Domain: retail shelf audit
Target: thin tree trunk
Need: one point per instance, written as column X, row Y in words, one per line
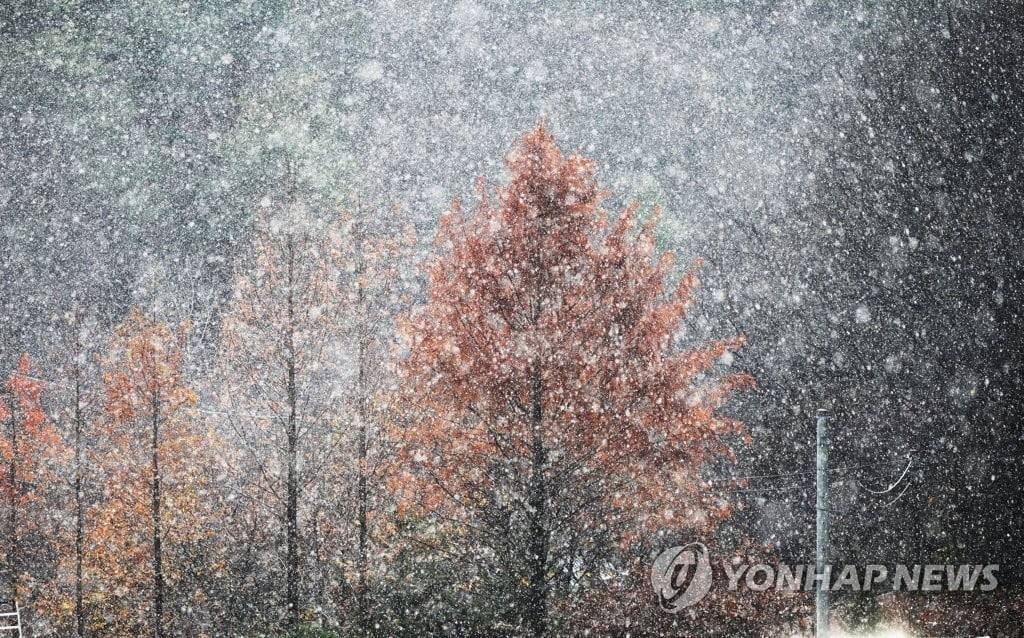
column 79, row 509
column 158, row 567
column 362, row 487
column 537, row 550
column 12, row 516
column 292, row 497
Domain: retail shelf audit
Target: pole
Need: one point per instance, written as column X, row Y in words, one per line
column 821, row 536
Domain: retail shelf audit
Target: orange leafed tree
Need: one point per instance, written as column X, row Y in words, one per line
column 30, row 454
column 151, row 461
column 556, row 408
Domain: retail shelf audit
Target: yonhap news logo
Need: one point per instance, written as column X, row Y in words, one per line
column 682, row 576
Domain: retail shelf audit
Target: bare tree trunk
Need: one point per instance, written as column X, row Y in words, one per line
column 362, row 487
column 79, row 509
column 537, row 549
column 363, row 505
column 158, row 567
column 292, row 496
column 12, row 515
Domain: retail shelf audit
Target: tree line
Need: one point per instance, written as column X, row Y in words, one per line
column 490, row 453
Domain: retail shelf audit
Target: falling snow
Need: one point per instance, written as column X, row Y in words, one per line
column 422, row 318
